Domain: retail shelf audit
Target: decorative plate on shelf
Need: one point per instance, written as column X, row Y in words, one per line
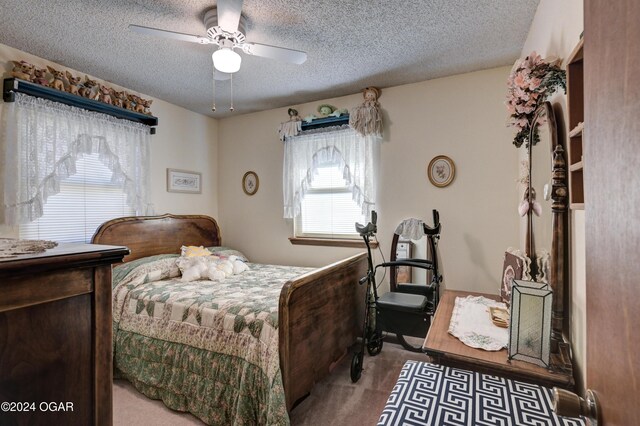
column 250, row 183
column 441, row 171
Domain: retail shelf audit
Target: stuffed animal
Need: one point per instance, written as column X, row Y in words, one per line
column 87, row 88
column 119, row 98
column 104, row 94
column 58, row 78
column 130, row 102
column 22, row 70
column 139, row 107
column 147, row 105
column 211, row 267
column 198, row 270
column 238, row 265
column 74, row 83
column 40, row 77
column 215, row 274
column 226, row 267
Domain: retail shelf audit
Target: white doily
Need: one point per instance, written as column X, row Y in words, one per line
column 471, row 323
column 11, row 247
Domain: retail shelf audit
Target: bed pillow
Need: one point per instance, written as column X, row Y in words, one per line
column 226, row 252
column 148, row 265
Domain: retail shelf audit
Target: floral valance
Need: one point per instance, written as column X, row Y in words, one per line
column 357, row 155
column 41, row 141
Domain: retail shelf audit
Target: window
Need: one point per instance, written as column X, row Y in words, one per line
column 327, row 209
column 86, row 200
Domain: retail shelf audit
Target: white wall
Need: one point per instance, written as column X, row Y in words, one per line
column 184, row 140
column 462, row 116
column 555, row 31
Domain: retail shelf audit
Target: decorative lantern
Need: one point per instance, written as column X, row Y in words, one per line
column 530, row 326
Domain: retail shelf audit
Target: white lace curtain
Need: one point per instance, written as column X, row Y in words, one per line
column 41, row 141
column 356, row 155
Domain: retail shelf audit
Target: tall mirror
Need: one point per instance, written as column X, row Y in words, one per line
column 546, row 234
column 410, row 249
column 539, row 215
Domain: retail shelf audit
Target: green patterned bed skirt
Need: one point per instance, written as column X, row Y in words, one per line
column 222, row 389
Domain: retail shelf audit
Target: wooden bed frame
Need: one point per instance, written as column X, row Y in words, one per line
column 320, row 313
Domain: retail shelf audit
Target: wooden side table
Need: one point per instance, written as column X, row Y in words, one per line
column 445, row 349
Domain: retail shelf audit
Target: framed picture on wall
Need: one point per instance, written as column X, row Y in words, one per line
column 184, row 181
column 441, row 171
column 250, row 183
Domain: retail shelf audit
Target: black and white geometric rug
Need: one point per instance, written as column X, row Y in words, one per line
column 435, row 395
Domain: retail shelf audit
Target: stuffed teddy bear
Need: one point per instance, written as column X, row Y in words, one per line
column 196, row 271
column 238, row 265
column 209, row 267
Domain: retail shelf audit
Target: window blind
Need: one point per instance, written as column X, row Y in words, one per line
column 327, row 209
column 86, row 200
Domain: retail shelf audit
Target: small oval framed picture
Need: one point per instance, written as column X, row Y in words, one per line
column 441, row 171
column 250, row 183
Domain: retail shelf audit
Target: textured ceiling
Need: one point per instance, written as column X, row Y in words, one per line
column 350, row 45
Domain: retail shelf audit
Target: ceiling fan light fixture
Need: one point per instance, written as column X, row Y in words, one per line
column 226, row 60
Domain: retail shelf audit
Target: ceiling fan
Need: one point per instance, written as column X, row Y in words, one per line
column 225, row 26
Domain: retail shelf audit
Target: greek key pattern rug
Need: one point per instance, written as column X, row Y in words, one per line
column 435, row 395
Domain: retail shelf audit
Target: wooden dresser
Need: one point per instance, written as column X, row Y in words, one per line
column 445, row 349
column 55, row 336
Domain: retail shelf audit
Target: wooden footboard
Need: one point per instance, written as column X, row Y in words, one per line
column 320, row 315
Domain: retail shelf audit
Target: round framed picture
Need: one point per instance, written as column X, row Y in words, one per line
column 250, row 183
column 441, row 171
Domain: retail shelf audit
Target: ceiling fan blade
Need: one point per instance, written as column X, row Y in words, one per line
column 169, row 34
column 274, row 52
column 229, row 14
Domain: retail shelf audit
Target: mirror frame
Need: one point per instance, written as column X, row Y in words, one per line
column 529, row 245
column 559, row 193
column 431, row 253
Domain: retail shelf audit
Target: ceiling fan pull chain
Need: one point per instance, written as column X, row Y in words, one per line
column 213, row 90
column 231, row 107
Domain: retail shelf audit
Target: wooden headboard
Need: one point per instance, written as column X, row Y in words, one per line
column 150, row 235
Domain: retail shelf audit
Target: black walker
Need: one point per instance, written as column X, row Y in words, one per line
column 407, row 309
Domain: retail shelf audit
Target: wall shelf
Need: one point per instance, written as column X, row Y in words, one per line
column 325, row 122
column 575, row 106
column 14, row 85
column 576, row 131
column 575, row 166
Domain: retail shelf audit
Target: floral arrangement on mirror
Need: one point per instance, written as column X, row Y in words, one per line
column 66, row 82
column 531, row 82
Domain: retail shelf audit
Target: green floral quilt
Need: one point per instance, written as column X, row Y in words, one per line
column 209, row 348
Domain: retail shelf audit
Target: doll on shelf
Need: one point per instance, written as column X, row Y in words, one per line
column 40, row 77
column 326, row 110
column 366, row 118
column 58, row 78
column 74, row 83
column 291, row 127
column 22, row 70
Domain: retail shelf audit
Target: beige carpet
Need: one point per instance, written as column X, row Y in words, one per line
column 334, row 401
